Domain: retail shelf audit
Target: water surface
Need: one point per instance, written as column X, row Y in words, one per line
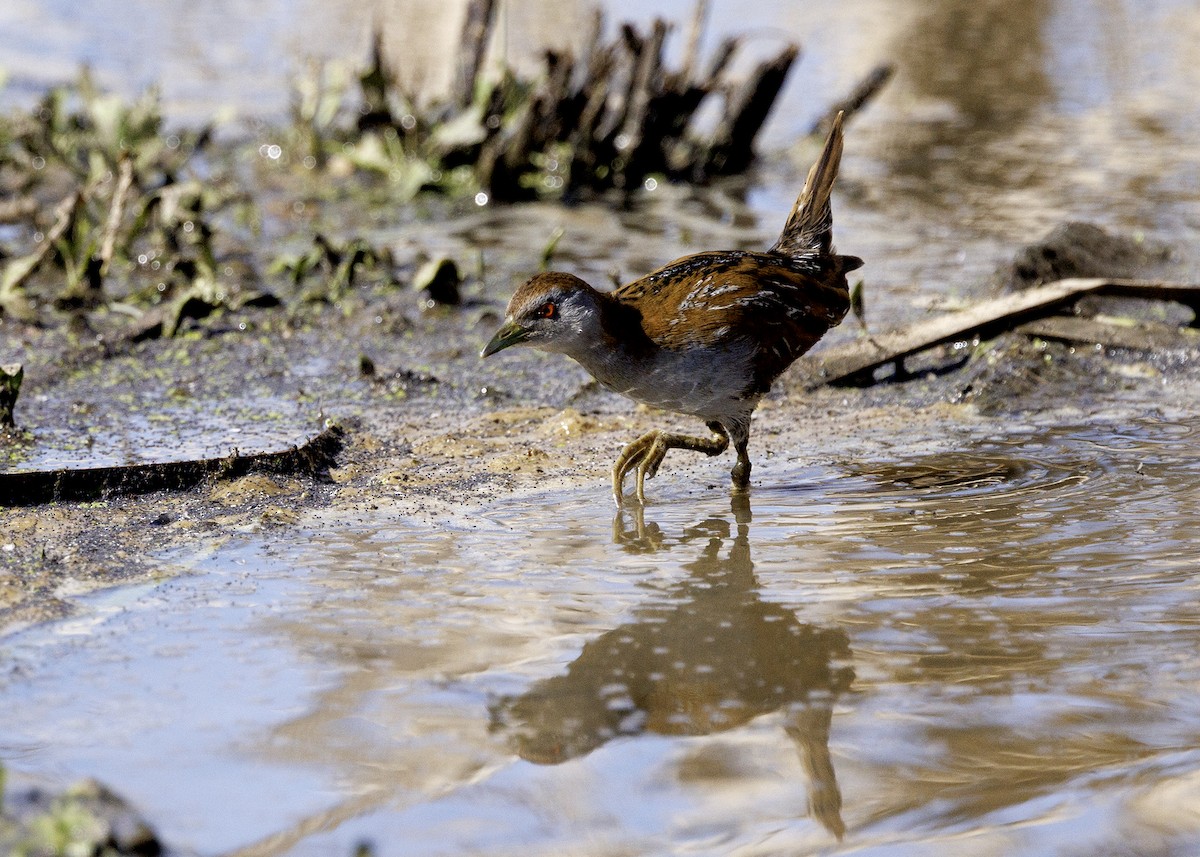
column 994, row 644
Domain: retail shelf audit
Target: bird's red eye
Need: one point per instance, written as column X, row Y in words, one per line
column 548, row 310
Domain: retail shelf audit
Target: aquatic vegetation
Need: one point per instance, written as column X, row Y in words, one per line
column 609, row 119
column 133, row 222
column 117, row 219
column 86, row 818
column 335, row 265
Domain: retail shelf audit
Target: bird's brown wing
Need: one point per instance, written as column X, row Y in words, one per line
column 782, row 305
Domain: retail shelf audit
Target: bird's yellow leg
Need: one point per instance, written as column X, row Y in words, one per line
column 741, row 470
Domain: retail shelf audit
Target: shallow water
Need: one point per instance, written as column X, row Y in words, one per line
column 980, row 643
column 991, row 647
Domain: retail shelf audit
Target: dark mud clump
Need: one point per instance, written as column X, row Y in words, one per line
column 1076, row 249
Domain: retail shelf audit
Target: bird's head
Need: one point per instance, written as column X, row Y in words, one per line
column 553, row 312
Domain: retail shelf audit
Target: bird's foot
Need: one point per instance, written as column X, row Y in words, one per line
column 643, row 455
column 646, row 454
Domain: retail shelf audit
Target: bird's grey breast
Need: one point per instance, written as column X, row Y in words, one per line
column 707, row 382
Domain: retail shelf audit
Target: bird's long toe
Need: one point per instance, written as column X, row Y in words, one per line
column 633, row 456
column 654, row 456
column 648, row 466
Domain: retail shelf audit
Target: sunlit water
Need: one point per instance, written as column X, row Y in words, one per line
column 993, row 647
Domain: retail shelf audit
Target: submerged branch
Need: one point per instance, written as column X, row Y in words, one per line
column 27, row 488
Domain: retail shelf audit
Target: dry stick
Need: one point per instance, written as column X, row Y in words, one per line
column 115, row 212
column 10, row 387
column 720, row 62
column 64, row 213
column 617, row 107
column 853, row 361
column 554, row 92
column 594, row 43
column 595, row 94
column 746, row 111
column 691, row 51
column 374, row 85
column 598, row 84
column 502, row 156
column 689, row 90
column 858, row 98
column 642, row 88
column 476, row 30
column 681, row 93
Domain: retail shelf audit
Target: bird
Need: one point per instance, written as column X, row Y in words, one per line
column 705, row 335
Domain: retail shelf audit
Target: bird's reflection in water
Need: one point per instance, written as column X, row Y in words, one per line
column 709, row 658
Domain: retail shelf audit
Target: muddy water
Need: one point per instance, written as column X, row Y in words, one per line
column 974, row 640
column 990, row 649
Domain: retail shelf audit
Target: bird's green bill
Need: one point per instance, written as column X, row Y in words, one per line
column 510, row 334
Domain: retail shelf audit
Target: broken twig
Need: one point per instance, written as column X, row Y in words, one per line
column 859, row 97
column 115, row 211
column 746, row 111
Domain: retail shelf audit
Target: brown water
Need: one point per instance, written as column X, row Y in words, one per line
column 978, row 638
